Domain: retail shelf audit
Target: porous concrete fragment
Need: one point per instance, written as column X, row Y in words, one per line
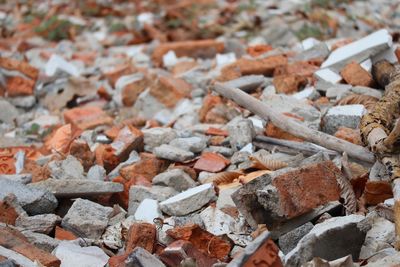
column 241, row 133
column 288, row 241
column 42, row 241
column 172, row 153
column 332, row 239
column 87, row 217
column 147, row 211
column 157, row 136
column 175, row 178
column 70, row 188
column 348, row 116
column 138, row 193
column 70, row 168
column 23, row 178
column 218, row 222
column 193, row 144
column 33, row 200
column 189, row 200
column 8, row 112
column 96, row 173
column 42, row 223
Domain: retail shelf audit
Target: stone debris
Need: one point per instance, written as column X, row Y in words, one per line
column 117, row 147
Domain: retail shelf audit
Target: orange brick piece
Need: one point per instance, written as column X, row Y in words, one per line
column 306, row 188
column 194, row 49
column 211, row 162
column 18, row 86
column 14, row 240
column 170, row 90
column 289, row 84
column 21, row 66
column 141, row 235
column 85, row 118
column 348, row 134
column 354, row 74
column 62, row 234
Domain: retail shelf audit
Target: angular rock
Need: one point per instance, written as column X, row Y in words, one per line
column 147, row 211
column 138, row 193
column 87, row 218
column 129, row 138
column 218, row 222
column 42, row 223
column 23, row 178
column 96, row 173
column 332, row 239
column 172, row 153
column 33, row 200
column 71, row 254
column 246, row 83
column 141, row 235
column 211, row 162
column 189, row 200
column 155, row 137
column 140, row 257
column 41, row 241
column 348, row 116
column 193, row 144
column 288, row 241
column 71, row 188
column 241, row 133
column 175, row 178
column 70, row 168
column 9, row 112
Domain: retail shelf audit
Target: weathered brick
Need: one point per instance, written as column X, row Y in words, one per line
column 170, row 90
column 88, row 117
column 348, row 134
column 354, row 74
column 211, row 162
column 18, row 86
column 21, row 66
column 149, row 166
column 289, row 83
column 141, row 235
column 131, row 91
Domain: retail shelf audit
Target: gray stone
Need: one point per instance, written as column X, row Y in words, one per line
column 337, row 91
column 225, row 151
column 87, row 218
column 138, row 193
column 157, row 136
column 319, row 50
column 392, row 259
column 172, row 153
column 71, row 188
column 194, row 144
column 241, row 133
column 23, row 101
column 362, row 90
column 8, row 112
column 288, row 241
column 239, row 157
column 347, row 116
column 380, row 236
column 23, row 178
column 330, row 240
column 96, row 173
column 140, row 257
column 219, row 223
column 42, row 223
column 7, row 263
column 70, row 168
column 33, row 200
column 189, row 200
column 41, row 241
column 246, row 83
column 133, row 157
column 175, row 178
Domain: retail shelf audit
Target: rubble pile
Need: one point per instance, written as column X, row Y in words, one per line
column 198, row 133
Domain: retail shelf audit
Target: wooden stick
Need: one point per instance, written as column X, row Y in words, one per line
column 393, row 136
column 267, row 113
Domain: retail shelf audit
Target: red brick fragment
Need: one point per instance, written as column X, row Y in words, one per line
column 257, row 50
column 131, row 91
column 180, row 250
column 216, row 132
column 148, row 166
column 266, row 255
column 376, row 192
column 306, row 188
column 129, row 138
column 8, row 214
column 273, row 131
column 14, row 240
column 141, row 235
column 21, row 66
column 348, row 134
column 194, row 49
column 18, row 86
column 289, row 84
column 170, row 90
column 62, row 234
column 207, row 243
column 87, row 117
column 211, row 162
column 113, row 75
column 354, row 74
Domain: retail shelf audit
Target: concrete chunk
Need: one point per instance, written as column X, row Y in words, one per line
column 172, row 153
column 175, row 178
column 189, row 200
column 78, row 188
column 87, row 218
column 348, row 116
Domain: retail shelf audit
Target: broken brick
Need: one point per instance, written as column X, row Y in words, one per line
column 257, row 50
column 289, row 84
column 21, row 66
column 376, row 192
column 170, row 90
column 354, row 74
column 131, row 91
column 113, row 75
column 273, row 131
column 12, row 239
column 211, row 162
column 208, row 103
column 18, row 86
column 141, row 235
column 348, row 134
column 194, row 49
column 60, row 139
column 129, row 138
column 62, row 234
column 180, row 250
column 149, row 166
column 207, row 243
column 88, row 117
column 81, row 150
column 8, row 214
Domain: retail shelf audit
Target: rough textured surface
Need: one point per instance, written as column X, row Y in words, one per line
column 33, row 200
column 175, row 178
column 87, row 218
column 288, row 241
